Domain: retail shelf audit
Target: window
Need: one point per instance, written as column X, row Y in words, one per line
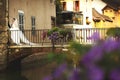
column 33, row 21
column 68, row 17
column 33, row 24
column 106, row 11
column 64, row 6
column 53, row 21
column 110, row 10
column 21, row 19
column 79, row 18
column 118, row 11
column 76, row 5
column 113, row 18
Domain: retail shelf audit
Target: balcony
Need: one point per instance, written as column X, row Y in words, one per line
column 41, row 39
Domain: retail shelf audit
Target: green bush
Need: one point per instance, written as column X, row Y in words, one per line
column 55, row 29
column 114, row 32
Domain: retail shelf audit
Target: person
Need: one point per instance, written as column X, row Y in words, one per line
column 17, row 35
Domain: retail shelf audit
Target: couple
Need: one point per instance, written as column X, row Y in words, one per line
column 16, row 34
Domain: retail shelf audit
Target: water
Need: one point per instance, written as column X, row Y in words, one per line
column 30, row 68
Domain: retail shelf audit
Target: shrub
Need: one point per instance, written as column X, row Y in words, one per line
column 97, row 62
column 114, row 32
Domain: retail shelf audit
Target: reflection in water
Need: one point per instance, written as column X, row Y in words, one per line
column 35, row 69
column 13, row 72
column 38, row 69
column 37, row 73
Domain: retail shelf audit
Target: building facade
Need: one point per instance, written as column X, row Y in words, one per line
column 90, row 10
column 82, row 6
column 114, row 13
column 33, row 14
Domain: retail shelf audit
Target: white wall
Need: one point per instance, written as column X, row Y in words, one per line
column 98, row 5
column 86, row 8
column 70, row 5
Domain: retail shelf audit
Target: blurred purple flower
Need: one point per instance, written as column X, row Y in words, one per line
column 75, row 75
column 54, row 36
column 110, row 45
column 48, row 78
column 115, row 74
column 95, row 54
column 95, row 73
column 95, row 36
column 58, row 72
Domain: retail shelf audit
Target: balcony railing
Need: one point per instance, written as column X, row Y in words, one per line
column 82, row 35
column 40, row 37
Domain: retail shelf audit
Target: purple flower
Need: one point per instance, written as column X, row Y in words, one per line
column 95, row 36
column 94, row 55
column 95, row 73
column 54, row 36
column 110, row 45
column 75, row 75
column 48, row 78
column 115, row 74
column 58, row 72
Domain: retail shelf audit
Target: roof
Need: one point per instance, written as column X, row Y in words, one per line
column 63, row 12
column 114, row 4
column 111, row 6
column 97, row 16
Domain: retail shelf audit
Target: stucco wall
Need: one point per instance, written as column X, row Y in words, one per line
column 41, row 9
column 114, row 15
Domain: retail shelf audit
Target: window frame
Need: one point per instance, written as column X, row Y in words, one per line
column 21, row 20
column 33, row 24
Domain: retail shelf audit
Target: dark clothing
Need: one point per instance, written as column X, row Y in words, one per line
column 9, row 25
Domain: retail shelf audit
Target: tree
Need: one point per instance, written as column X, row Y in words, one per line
column 58, row 6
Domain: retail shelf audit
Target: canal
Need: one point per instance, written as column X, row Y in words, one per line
column 33, row 67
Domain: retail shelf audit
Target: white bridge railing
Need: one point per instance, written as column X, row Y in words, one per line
column 82, row 35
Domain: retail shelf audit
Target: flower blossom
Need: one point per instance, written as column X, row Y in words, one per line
column 115, row 74
column 58, row 72
column 95, row 73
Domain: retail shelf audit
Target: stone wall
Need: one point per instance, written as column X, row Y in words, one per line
column 3, row 34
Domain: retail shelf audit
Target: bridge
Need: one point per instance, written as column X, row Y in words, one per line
column 42, row 43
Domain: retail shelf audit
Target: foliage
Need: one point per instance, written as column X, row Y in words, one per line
column 63, row 32
column 56, row 33
column 58, row 10
column 76, row 51
column 103, row 58
column 59, row 34
column 58, row 6
column 79, row 48
column 97, row 62
column 59, row 58
column 110, row 60
column 114, row 32
column 55, row 29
